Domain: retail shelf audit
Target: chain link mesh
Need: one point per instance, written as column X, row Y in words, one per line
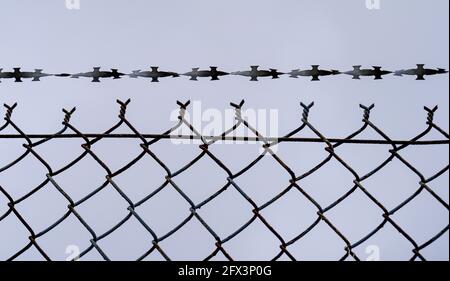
column 294, row 183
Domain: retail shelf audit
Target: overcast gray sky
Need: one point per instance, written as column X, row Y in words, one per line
column 179, row 35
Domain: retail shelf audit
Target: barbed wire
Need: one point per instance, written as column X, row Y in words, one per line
column 170, row 181
column 254, row 73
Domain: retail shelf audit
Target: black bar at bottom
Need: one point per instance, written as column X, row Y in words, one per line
column 225, row 270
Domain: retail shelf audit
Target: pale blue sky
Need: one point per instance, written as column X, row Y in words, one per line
column 179, row 35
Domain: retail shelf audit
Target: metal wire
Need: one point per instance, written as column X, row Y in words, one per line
column 170, row 181
column 253, row 73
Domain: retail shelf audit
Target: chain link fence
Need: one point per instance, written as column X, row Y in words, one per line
column 294, row 184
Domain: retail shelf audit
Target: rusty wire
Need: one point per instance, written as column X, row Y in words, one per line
column 170, row 181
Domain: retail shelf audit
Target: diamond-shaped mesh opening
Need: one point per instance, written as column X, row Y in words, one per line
column 39, row 216
column 291, row 214
column 191, row 242
column 66, row 240
column 222, row 219
column 391, row 193
column 160, row 216
column 422, row 213
column 82, row 178
column 325, row 191
column 103, row 210
column 263, row 180
column 197, row 184
column 321, row 243
column 20, row 179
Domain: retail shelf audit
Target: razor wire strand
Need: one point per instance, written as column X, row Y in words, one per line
column 254, row 73
column 294, row 181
